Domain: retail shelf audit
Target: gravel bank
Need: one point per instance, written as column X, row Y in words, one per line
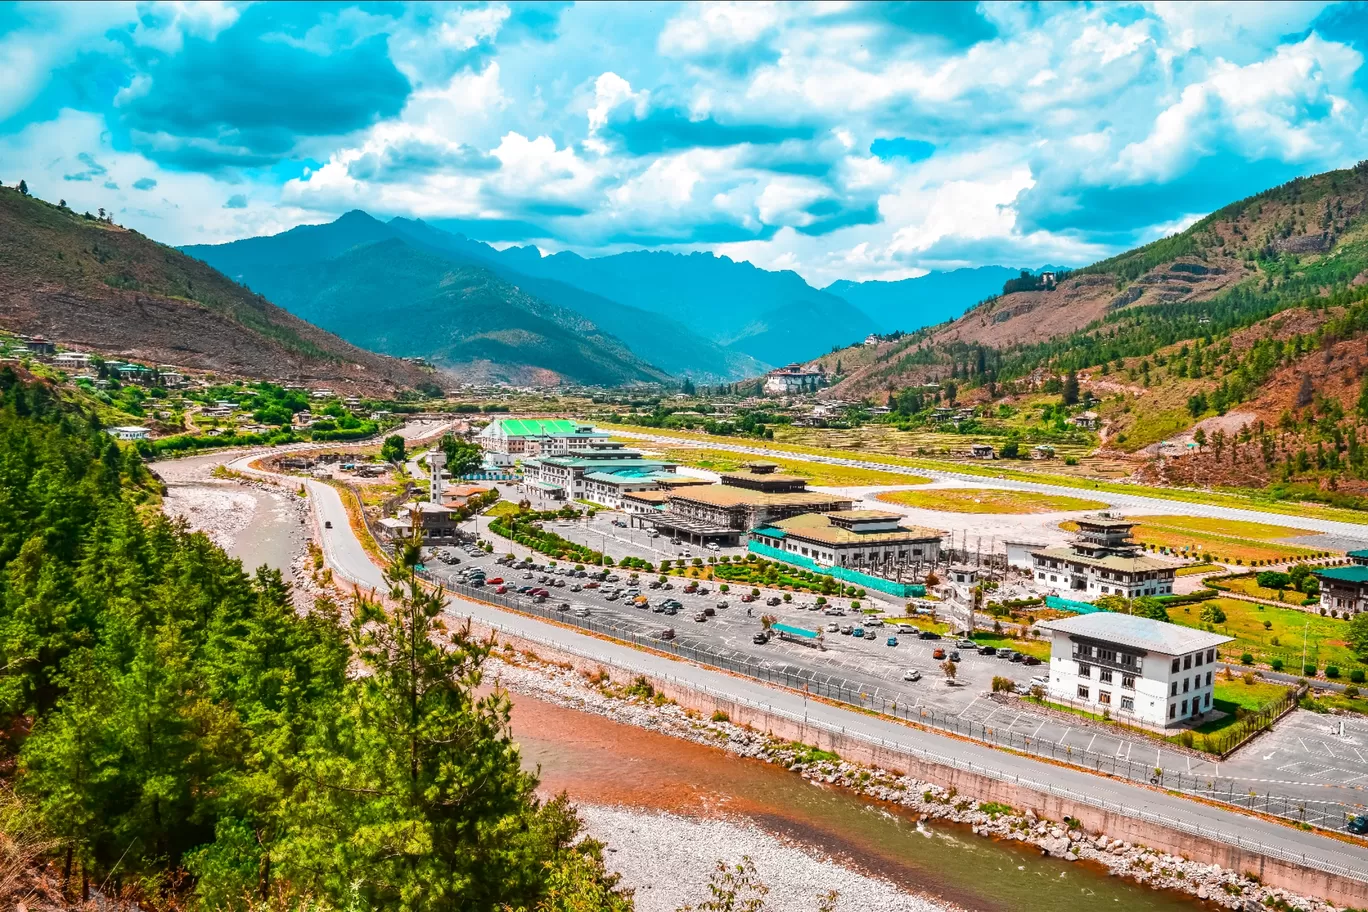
column 522, row 672
column 668, row 859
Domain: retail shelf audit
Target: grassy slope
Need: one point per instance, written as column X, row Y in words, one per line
column 113, row 289
column 988, row 500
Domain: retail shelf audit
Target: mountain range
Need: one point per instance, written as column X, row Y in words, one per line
column 515, row 314
column 94, row 285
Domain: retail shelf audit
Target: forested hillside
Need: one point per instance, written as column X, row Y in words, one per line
column 177, row 734
column 1239, row 345
column 82, row 280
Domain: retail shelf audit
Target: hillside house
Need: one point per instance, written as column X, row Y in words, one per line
column 1042, row 451
column 1088, row 421
column 793, row 379
column 129, row 432
column 38, row 345
column 1345, row 589
column 982, row 451
column 72, row 360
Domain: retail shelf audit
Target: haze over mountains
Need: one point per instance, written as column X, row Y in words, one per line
column 517, row 315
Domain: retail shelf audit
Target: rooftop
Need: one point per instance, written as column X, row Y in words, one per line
column 623, row 478
column 1354, row 574
column 727, row 496
column 545, row 427
column 1110, row 562
column 818, row 527
column 1137, row 632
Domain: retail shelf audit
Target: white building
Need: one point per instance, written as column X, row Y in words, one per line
column 793, row 379
column 872, row 540
column 72, row 360
column 1135, row 668
column 508, row 441
column 129, row 432
column 1102, row 561
column 599, row 475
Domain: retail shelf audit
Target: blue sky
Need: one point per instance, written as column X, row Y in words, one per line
column 842, row 140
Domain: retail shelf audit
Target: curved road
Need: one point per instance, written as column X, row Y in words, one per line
column 350, row 560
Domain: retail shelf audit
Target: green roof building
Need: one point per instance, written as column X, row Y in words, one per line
column 507, row 441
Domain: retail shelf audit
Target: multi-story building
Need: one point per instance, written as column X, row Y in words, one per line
column 793, row 379
column 1345, row 589
column 599, row 475
column 508, row 441
column 1136, row 668
column 1102, row 561
column 743, row 501
column 873, row 541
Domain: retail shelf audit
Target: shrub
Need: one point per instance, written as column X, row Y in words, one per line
column 1003, row 685
column 1332, row 671
column 1268, row 625
column 719, row 716
column 1276, row 664
column 854, row 606
column 1247, row 658
column 1357, row 676
column 1351, row 691
column 1309, row 670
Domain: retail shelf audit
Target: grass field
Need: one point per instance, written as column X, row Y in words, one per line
column 1325, row 644
column 1184, row 534
column 1038, row 648
column 988, row 500
column 1231, row 696
column 817, row 473
column 1198, row 570
column 1054, row 475
column 1252, row 588
column 503, row 508
column 1234, row 528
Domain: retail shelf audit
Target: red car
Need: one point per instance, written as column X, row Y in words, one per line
column 591, row 585
column 747, row 598
column 501, row 590
column 496, row 581
column 539, row 592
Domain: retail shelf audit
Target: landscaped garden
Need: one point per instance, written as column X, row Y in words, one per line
column 1274, row 636
column 989, row 500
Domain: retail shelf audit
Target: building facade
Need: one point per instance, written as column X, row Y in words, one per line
column 1345, row 589
column 725, row 512
column 793, row 379
column 598, row 475
column 1134, row 668
column 872, row 541
column 1102, row 561
column 507, row 441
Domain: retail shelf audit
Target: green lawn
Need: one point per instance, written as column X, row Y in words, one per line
column 1038, row 648
column 989, row 500
column 1251, row 587
column 817, row 473
column 1325, row 644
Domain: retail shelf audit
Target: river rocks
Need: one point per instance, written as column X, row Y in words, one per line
column 929, row 801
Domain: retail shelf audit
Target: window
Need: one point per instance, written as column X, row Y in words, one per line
column 1186, row 682
column 1104, row 696
column 1208, row 679
column 1207, row 700
column 1128, row 682
column 1084, row 671
column 1173, row 689
column 1105, row 676
column 1175, row 664
column 1172, row 709
column 1083, row 691
column 1128, row 704
column 1185, row 707
column 1199, row 660
column 1187, row 662
column 1211, row 656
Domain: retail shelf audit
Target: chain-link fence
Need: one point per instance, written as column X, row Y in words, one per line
column 1328, row 814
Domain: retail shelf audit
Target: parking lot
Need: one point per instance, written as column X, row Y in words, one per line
column 1302, row 758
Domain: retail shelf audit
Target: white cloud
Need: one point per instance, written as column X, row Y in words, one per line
column 465, row 28
column 711, row 27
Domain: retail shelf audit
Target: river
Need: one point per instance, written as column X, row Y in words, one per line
column 631, row 781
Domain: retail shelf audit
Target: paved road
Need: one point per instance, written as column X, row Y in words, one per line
column 350, row 560
column 1351, row 534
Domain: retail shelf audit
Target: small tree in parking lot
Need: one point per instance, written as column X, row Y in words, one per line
column 788, row 597
column 755, row 592
column 950, row 668
column 767, row 621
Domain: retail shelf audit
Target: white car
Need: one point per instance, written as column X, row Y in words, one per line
column 833, row 628
column 911, row 675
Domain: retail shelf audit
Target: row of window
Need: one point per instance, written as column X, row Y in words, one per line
column 1195, row 681
column 1104, row 676
column 1104, row 697
column 1193, row 659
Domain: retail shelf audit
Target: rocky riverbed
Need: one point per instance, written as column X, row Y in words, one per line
column 525, row 673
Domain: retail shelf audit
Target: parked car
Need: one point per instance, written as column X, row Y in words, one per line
column 760, row 638
column 1030, row 660
column 1017, row 657
column 747, row 597
column 911, row 675
column 987, row 650
column 892, row 641
column 722, row 603
column 938, row 654
column 858, row 633
column 563, row 606
column 1039, row 681
column 928, row 635
column 667, row 634
column 700, row 617
column 874, row 622
column 954, row 655
column 495, row 581
column 907, row 628
column 847, row 630
column 774, row 601
column 502, row 590
column 870, row 635
column 710, row 611
column 966, row 643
